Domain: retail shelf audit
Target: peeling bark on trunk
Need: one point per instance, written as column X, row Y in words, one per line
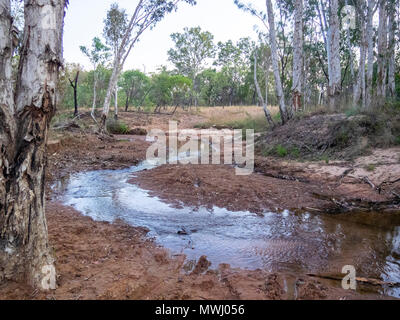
column 370, row 54
column 359, row 88
column 351, row 56
column 25, row 254
column 382, row 53
column 112, row 84
column 6, row 49
column 335, row 77
column 297, row 56
column 324, row 27
column 392, row 58
column 285, row 114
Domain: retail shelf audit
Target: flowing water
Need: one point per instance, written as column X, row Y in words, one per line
column 299, row 243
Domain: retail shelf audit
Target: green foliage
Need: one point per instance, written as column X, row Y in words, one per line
column 115, row 26
column 370, row 168
column 276, row 117
column 98, row 53
column 117, row 127
column 352, row 112
column 169, row 89
column 281, row 151
column 192, row 49
column 342, row 137
column 325, row 158
column 85, row 86
column 295, row 152
column 135, row 87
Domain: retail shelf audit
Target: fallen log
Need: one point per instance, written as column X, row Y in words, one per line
column 281, row 176
column 349, row 205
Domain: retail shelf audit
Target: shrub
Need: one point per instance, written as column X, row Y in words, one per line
column 370, row 168
column 352, row 112
column 117, row 127
column 281, row 151
column 295, row 152
column 325, row 158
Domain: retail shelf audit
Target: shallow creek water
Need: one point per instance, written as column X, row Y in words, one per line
column 284, row 242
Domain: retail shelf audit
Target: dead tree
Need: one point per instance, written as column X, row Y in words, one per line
column 74, row 85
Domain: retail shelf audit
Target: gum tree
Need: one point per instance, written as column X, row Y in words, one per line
column 25, row 113
column 146, row 15
column 268, row 20
column 192, row 49
column 335, row 76
column 135, row 84
column 297, row 56
column 98, row 54
column 382, row 51
column 264, row 102
column 114, row 29
column 285, row 113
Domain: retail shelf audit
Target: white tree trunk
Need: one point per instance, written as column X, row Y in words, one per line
column 6, row 88
column 370, row 54
column 260, row 97
column 116, row 103
column 111, row 86
column 267, row 83
column 392, row 28
column 285, row 115
column 324, row 27
column 297, row 56
column 351, row 56
column 382, row 53
column 359, row 88
column 335, row 77
column 24, row 250
column 94, row 94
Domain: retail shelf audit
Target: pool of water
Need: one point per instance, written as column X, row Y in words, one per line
column 301, row 243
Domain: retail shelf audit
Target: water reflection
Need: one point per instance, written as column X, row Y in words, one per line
column 308, row 243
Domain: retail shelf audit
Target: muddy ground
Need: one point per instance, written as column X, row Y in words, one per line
column 98, row 260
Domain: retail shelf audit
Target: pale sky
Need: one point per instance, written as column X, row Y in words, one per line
column 84, row 21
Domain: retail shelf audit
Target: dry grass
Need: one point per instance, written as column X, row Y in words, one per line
column 221, row 115
column 236, row 117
